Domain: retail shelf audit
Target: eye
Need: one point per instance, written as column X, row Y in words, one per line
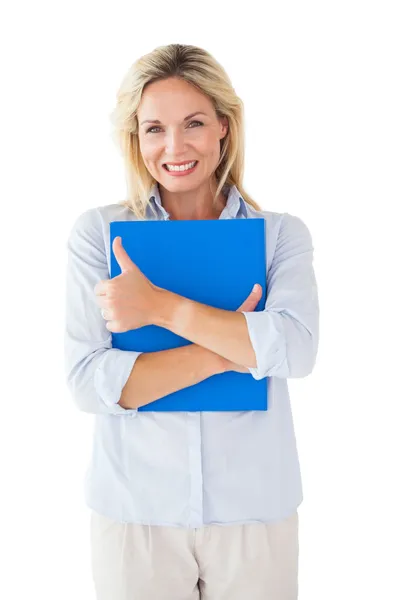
column 150, row 130
column 155, row 127
column 199, row 122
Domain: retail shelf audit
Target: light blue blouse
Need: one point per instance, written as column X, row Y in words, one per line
column 187, row 469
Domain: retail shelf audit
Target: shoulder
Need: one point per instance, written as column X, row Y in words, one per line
column 280, row 223
column 95, row 221
column 285, row 233
column 96, row 217
column 90, row 232
column 294, row 230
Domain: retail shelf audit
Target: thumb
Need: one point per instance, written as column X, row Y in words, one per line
column 121, row 255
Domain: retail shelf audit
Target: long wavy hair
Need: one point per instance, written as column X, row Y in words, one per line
column 199, row 68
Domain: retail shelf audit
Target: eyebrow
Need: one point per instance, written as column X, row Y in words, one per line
column 185, row 119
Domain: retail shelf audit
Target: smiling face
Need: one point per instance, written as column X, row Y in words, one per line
column 179, row 136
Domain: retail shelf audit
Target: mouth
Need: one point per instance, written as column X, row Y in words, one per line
column 179, row 171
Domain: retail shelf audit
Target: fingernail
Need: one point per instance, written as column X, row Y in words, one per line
column 255, row 288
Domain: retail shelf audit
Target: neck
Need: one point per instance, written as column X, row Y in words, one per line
column 192, row 204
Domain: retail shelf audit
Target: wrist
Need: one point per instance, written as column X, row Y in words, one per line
column 222, row 364
column 213, row 363
column 168, row 308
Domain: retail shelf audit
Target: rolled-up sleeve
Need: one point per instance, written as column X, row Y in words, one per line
column 95, row 371
column 285, row 334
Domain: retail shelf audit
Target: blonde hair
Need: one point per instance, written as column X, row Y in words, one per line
column 199, row 68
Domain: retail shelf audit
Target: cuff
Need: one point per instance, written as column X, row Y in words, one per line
column 268, row 340
column 111, row 376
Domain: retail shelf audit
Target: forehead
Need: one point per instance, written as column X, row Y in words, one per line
column 173, row 98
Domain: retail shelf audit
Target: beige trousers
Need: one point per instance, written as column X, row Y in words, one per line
column 236, row 562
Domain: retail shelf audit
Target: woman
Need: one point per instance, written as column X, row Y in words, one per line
column 188, row 505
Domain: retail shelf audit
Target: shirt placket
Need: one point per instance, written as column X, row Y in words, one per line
column 195, row 515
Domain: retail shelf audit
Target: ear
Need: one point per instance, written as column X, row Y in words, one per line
column 224, row 126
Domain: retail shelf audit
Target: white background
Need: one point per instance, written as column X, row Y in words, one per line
column 320, row 85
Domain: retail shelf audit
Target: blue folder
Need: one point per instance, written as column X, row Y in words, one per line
column 215, row 262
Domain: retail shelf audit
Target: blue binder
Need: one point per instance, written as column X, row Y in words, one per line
column 215, row 262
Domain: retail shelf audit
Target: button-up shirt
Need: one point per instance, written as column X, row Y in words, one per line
column 190, row 469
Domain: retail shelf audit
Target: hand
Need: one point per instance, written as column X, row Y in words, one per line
column 248, row 305
column 129, row 300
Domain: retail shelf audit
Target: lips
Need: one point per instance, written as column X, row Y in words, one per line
column 180, row 164
column 181, row 172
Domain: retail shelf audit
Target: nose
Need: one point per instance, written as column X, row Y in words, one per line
column 175, row 143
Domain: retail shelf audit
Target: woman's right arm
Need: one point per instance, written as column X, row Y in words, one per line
column 103, row 379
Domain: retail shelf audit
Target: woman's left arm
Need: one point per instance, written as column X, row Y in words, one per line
column 282, row 340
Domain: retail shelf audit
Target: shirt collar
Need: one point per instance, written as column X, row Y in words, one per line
column 235, row 205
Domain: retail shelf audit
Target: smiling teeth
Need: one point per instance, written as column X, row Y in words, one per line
column 181, row 167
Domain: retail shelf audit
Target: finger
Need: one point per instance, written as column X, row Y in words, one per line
column 253, row 299
column 248, row 305
column 121, row 255
column 102, row 301
column 100, row 289
column 105, row 315
column 115, row 327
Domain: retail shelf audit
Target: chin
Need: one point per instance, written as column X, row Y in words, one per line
column 179, row 182
column 175, row 186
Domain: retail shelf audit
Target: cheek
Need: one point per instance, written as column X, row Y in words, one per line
column 209, row 145
column 148, row 151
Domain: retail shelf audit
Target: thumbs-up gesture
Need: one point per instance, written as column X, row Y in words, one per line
column 129, row 300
